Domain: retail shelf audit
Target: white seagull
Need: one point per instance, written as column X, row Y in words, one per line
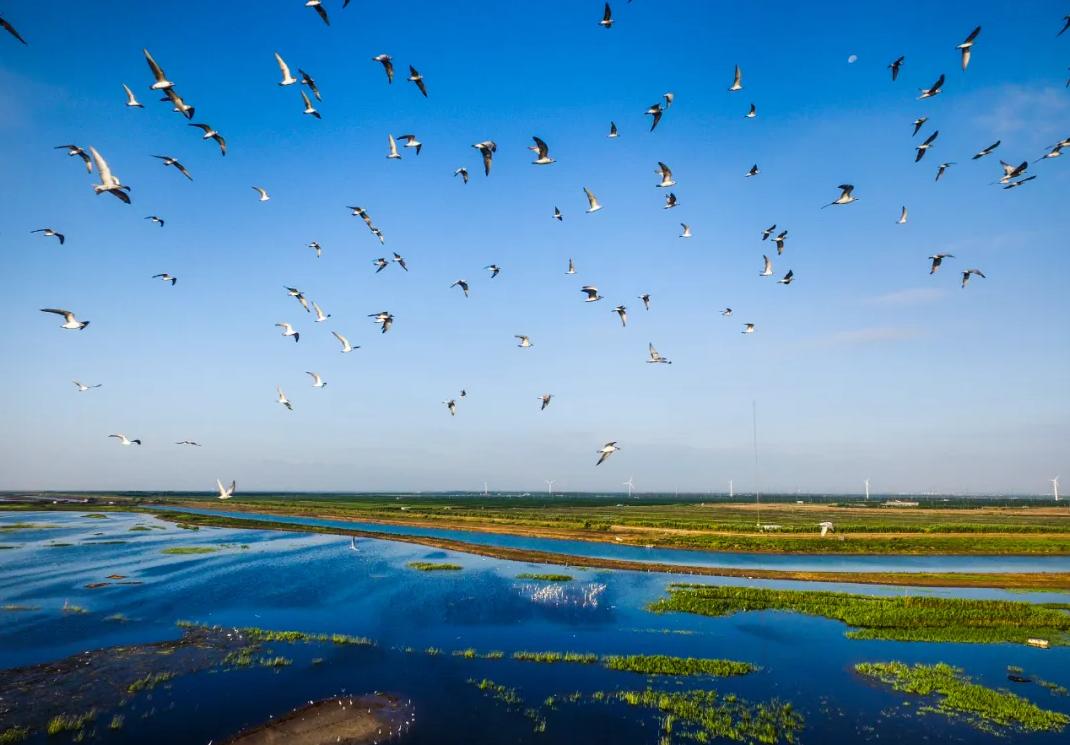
column 73, row 150
column 393, row 154
column 169, row 161
column 130, row 100
column 902, row 216
column 846, row 196
column 108, row 181
column 737, row 82
column 621, row 311
column 666, row 175
column 525, row 342
column 287, row 78
column 226, row 492
column 542, row 150
column 211, row 134
column 156, row 219
column 262, row 192
column 788, row 278
column 162, row 83
column 309, row 108
column 317, row 380
column 411, row 141
column 283, row 400
column 69, row 321
column 50, row 233
column 592, row 201
column 320, row 315
column 346, row 346
column 655, row 356
column 388, row 65
column 288, row 330
column 687, row 230
column 967, row 47
column 767, row 270
column 545, row 398
column 607, row 450
column 166, row 278
column 937, row 260
column 966, row 276
column 748, row 328
column 124, row 440
column 82, row 387
column 592, row 293
column 936, row 89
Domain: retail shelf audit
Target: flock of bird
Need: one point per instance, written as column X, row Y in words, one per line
column 1011, row 176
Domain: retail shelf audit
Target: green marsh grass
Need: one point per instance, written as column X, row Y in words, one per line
column 430, row 566
column 958, row 697
column 546, row 577
column 665, row 665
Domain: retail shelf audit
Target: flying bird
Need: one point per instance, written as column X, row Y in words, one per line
column 288, row 330
column 557, row 214
column 300, row 297
column 966, row 276
column 607, row 450
column 463, row 173
column 73, row 150
column 400, row 261
column 607, row 18
column 1011, row 172
column 655, row 357
column 381, row 263
column 726, row 312
column 612, row 130
column 287, row 77
column 592, row 201
column 156, row 219
column 923, row 147
column 11, row 29
column 621, row 311
column 967, row 47
column 262, row 192
column 669, row 98
column 902, row 216
column 307, row 80
column 393, row 154
column 541, row 149
column 463, row 284
column 109, row 182
column 987, row 150
column 309, row 108
column 82, row 387
column 753, row 112
column 788, row 278
column 210, row 133
column 655, row 111
column 50, row 233
column 384, row 319
column 1066, row 25
column 545, row 398
column 487, row 149
column 934, row 90
column 894, row 67
column 737, row 82
column 571, row 266
column 592, row 293
column 388, row 65
column 169, row 161
column 320, row 315
column 645, row 298
column 666, row 175
column 768, row 231
column 943, row 167
column 779, row 240
column 937, row 260
column 494, row 270
column 124, row 440
column 415, row 77
column 1019, row 182
column 754, row 171
column 919, row 123
column 162, row 83
column 346, row 346
column 189, row 443
column 670, row 201
column 226, row 492
column 748, row 328
column 283, row 400
column 767, row 269
column 687, row 230
column 317, row 248
column 411, row 141
column 69, row 321
column 525, row 342
column 317, row 5
column 130, row 100
column 317, row 380
column 452, row 406
column 846, row 196
column 179, row 103
column 166, row 278
column 826, row 528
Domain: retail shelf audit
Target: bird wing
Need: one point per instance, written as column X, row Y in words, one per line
column 283, row 66
column 591, row 199
column 543, row 148
column 106, row 177
column 157, row 71
column 59, row 312
column 11, row 30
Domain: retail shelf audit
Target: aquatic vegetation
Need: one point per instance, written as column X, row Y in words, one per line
column 664, row 665
column 117, row 618
column 240, row 657
column 1054, row 688
column 117, row 722
column 958, row 697
column 149, row 682
column 184, row 550
column 95, row 515
column 706, row 715
column 137, row 528
column 471, row 654
column 510, row 698
column 26, row 526
column 582, row 658
column 430, row 566
column 16, row 608
column 546, row 577
column 433, row 651
column 885, row 617
column 13, row 735
column 59, row 545
column 274, row 661
column 70, row 722
column 73, row 609
column 256, row 635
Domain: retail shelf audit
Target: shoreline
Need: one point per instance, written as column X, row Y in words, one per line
column 1049, row 581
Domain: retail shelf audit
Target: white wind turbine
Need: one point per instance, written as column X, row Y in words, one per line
column 630, row 483
column 867, row 490
column 1055, row 488
column 549, row 487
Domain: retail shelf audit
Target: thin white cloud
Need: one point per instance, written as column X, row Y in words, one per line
column 871, row 335
column 910, row 296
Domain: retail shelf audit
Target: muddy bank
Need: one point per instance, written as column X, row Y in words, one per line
column 344, row 720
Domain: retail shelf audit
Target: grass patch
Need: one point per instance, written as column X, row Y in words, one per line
column 185, row 550
column 431, row 566
column 26, row 526
column 256, row 635
column 117, row 618
column 546, row 577
column 96, row 515
column 893, row 617
column 582, row 658
column 664, row 665
column 70, row 722
column 149, row 682
column 12, row 735
column 957, row 697
column 139, row 528
column 117, row 722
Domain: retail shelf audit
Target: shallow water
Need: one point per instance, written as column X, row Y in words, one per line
column 590, row 549
column 317, row 583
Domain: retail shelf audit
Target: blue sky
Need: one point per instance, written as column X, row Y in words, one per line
column 866, row 366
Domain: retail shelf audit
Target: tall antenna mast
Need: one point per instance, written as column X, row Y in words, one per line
column 757, row 488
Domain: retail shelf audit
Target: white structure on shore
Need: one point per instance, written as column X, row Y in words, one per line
column 1055, row 488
